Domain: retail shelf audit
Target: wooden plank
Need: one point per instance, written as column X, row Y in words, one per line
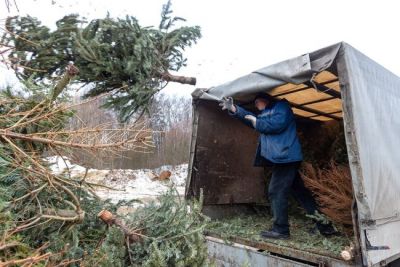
column 303, row 88
column 324, row 89
column 320, row 113
column 317, row 101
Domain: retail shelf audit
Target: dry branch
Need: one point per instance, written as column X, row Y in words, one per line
column 9, row 245
column 44, row 200
column 48, row 141
column 64, row 215
column 27, row 128
column 29, row 260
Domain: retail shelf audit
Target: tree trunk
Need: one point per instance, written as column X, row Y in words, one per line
column 110, row 219
column 178, row 79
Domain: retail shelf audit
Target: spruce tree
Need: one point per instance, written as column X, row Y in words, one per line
column 115, row 56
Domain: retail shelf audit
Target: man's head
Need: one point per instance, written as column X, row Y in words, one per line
column 262, row 100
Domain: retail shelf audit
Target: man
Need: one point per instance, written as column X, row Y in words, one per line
column 278, row 147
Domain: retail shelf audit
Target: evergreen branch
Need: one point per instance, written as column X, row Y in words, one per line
column 113, row 54
column 17, row 36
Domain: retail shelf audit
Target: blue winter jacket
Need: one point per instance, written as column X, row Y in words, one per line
column 278, row 141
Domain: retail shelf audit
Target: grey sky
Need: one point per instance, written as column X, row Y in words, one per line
column 241, row 36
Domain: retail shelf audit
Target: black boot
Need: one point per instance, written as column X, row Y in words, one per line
column 274, row 235
column 326, row 229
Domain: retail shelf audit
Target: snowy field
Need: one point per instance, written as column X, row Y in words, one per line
column 126, row 184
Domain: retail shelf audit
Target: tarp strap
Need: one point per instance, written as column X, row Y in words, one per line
column 322, row 88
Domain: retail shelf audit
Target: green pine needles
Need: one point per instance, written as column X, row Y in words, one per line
column 170, row 231
column 115, row 56
column 173, row 233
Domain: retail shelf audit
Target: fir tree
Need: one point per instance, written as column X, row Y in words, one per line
column 116, row 56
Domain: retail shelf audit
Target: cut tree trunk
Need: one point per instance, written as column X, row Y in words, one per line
column 110, row 219
column 178, row 79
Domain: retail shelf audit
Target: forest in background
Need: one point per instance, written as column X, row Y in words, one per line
column 170, row 119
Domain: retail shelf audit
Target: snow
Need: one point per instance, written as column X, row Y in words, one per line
column 126, row 184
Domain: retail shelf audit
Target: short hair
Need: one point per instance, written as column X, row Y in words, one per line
column 264, row 96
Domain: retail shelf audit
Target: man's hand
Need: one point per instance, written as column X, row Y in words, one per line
column 227, row 103
column 252, row 119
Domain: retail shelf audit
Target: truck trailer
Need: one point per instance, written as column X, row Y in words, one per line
column 333, row 85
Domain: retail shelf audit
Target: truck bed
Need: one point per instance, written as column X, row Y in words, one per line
column 303, row 245
column 250, row 253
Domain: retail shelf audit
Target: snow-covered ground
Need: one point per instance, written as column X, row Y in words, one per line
column 126, row 184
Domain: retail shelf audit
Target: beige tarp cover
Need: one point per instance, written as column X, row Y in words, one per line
column 368, row 100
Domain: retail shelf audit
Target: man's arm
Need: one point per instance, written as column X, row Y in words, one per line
column 226, row 103
column 241, row 113
column 278, row 122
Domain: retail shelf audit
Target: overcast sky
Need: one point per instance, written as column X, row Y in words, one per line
column 242, row 36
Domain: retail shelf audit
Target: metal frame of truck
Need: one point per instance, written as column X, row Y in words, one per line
column 369, row 101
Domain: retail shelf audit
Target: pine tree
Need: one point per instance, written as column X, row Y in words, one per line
column 116, row 56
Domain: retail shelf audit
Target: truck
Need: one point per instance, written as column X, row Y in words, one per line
column 333, row 85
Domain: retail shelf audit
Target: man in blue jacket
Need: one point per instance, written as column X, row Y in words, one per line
column 278, row 147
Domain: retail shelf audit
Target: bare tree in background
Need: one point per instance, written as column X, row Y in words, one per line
column 170, row 120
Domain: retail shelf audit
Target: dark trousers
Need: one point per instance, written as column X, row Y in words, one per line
column 286, row 180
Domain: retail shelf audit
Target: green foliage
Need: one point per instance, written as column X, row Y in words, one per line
column 20, row 249
column 116, row 55
column 27, row 189
column 172, row 228
column 301, row 236
column 319, row 217
column 173, row 231
column 112, row 251
column 16, row 171
column 82, row 240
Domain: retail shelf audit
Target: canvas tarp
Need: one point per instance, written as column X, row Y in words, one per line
column 295, row 71
column 371, row 101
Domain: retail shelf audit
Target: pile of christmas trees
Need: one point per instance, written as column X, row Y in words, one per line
column 326, row 173
column 52, row 219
